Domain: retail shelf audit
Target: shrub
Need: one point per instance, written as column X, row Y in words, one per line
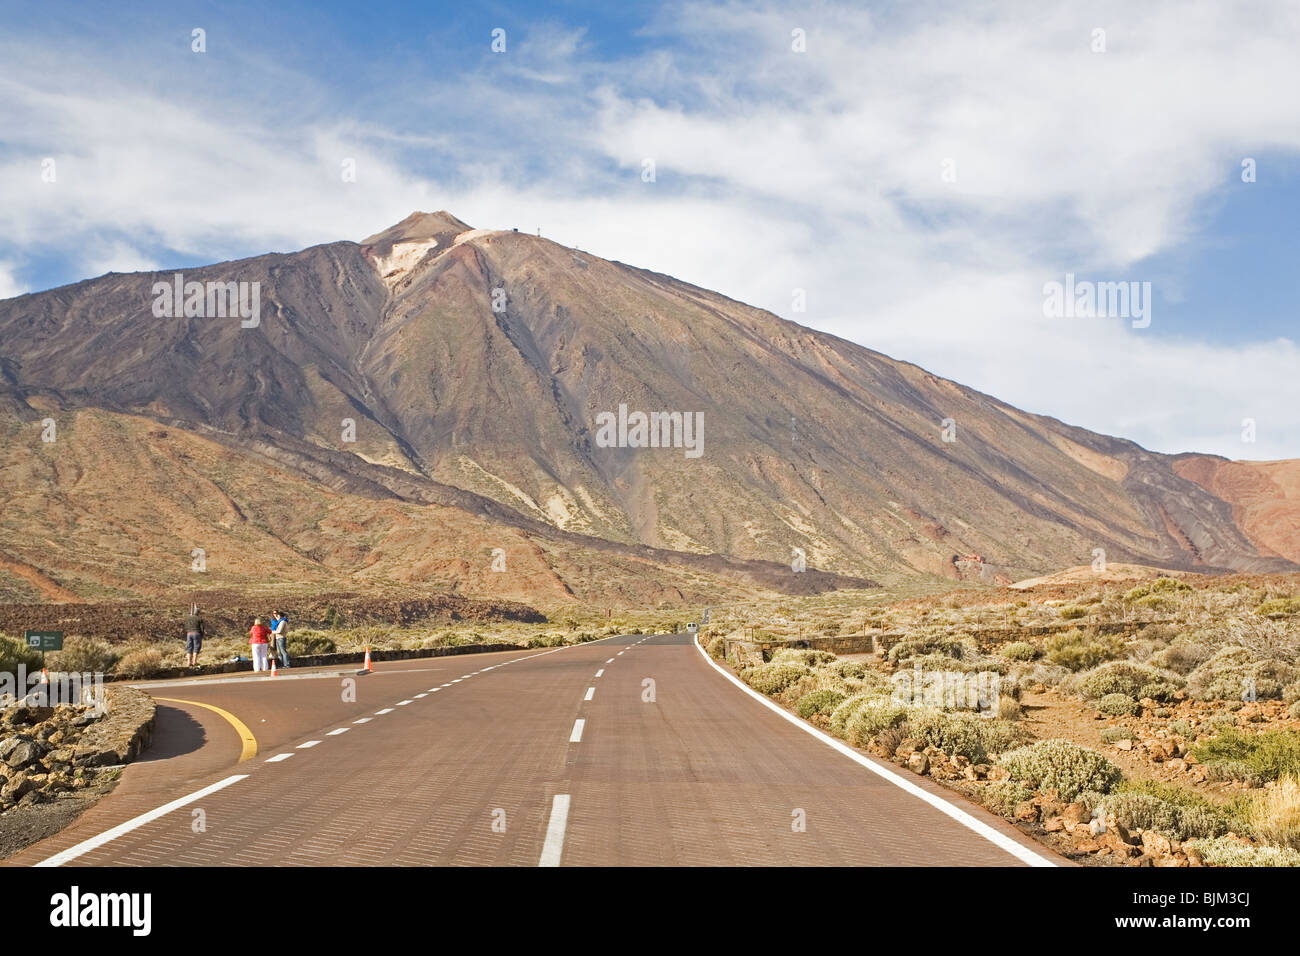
column 1063, row 766
column 14, row 652
column 1233, row 671
column 842, row 714
column 1275, row 814
column 1072, row 612
column 932, row 644
column 1020, row 651
column 306, row 642
column 1279, row 608
column 819, row 702
column 1178, row 813
column 1078, row 650
column 1003, row 796
column 871, row 719
column 1009, row 708
column 1268, row 755
column 1156, row 588
column 84, row 655
column 847, row 669
column 968, row 735
column 772, row 678
column 1184, row 656
column 1225, row 851
column 1118, row 705
column 1112, row 735
column 790, row 655
column 717, row 647
column 1128, row 678
column 1295, row 710
column 141, row 663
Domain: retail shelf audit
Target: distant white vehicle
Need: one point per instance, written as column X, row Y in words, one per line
column 692, row 628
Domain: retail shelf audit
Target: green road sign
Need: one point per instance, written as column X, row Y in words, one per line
column 44, row 640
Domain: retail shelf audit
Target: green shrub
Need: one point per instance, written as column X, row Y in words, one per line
column 1225, row 851
column 1268, row 755
column 1279, row 608
column 1118, row 705
column 842, row 714
column 772, row 678
column 1003, row 796
column 14, row 652
column 872, row 718
column 1159, row 586
column 1072, row 612
column 1079, row 650
column 1020, row 651
column 932, row 644
column 1178, row 813
column 140, row 663
column 1112, row 735
column 818, row 702
column 1233, row 670
column 964, row 734
column 1128, row 678
column 847, row 669
column 1063, row 766
column 83, row 655
column 790, row 655
column 305, row 643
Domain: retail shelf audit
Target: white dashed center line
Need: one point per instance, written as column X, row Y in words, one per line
column 341, row 730
column 576, row 736
column 310, row 743
column 386, row 710
column 553, row 848
column 278, row 757
column 599, row 672
column 591, row 692
column 362, row 720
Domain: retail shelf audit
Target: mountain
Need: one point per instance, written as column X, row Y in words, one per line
column 488, row 376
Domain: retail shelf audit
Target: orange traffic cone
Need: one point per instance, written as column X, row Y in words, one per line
column 45, row 676
column 272, row 665
column 366, row 666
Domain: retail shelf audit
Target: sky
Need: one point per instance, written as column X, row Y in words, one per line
column 911, row 176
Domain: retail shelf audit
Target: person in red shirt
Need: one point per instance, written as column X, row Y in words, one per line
column 258, row 635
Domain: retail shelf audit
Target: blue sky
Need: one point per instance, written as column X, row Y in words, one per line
column 776, row 169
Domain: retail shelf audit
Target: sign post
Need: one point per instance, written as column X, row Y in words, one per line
column 44, row 641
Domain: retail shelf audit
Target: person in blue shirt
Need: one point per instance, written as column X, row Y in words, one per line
column 280, row 632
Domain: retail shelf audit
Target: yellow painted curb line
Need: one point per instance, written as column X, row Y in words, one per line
column 245, row 735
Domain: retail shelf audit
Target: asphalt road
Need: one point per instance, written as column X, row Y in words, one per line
column 628, row 751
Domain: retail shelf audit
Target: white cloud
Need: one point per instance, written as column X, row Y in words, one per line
column 776, row 170
column 9, row 286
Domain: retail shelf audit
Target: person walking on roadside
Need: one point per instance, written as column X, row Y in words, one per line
column 193, row 636
column 280, row 630
column 257, row 641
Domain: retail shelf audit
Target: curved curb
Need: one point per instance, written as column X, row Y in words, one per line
column 998, row 839
column 248, row 743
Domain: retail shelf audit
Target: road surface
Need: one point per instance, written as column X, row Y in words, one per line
column 633, row 750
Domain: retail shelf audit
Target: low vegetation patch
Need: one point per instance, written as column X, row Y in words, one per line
column 1235, row 754
column 1062, row 766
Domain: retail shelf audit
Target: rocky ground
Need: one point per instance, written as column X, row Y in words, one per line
column 57, row 761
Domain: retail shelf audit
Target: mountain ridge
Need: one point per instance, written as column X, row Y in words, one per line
column 479, row 361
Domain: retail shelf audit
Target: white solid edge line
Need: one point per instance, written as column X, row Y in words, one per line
column 95, row 842
column 554, row 845
column 576, row 736
column 1000, row 840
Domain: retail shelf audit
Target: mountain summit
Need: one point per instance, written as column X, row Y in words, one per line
column 476, row 368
